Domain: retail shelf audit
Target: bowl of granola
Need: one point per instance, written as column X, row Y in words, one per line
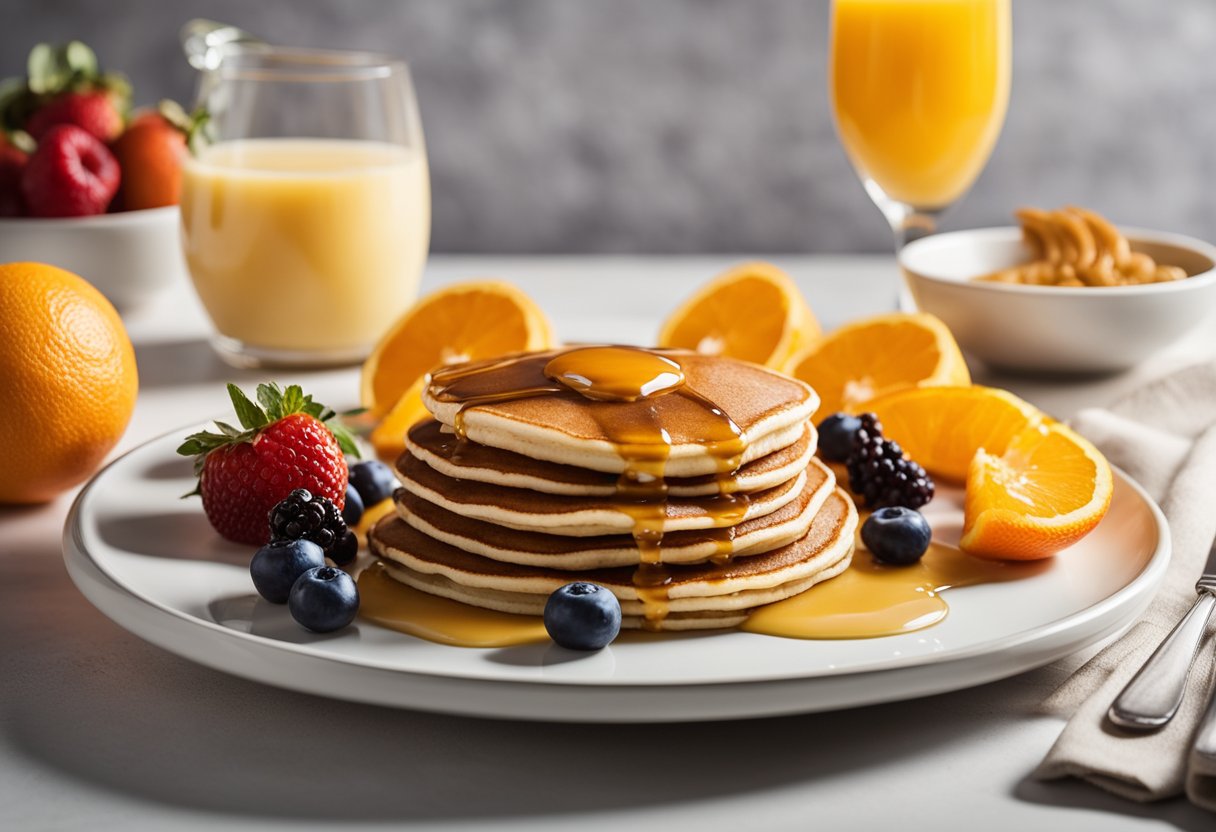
column 1064, row 299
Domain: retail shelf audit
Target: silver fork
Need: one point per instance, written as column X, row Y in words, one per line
column 1152, row 697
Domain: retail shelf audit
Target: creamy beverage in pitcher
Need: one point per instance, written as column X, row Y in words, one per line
column 306, row 244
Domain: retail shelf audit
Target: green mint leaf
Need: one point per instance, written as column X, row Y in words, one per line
column 316, row 410
column 249, row 414
column 354, row 411
column 271, row 398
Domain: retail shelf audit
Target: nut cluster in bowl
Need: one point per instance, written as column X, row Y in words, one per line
column 1077, row 247
column 1059, row 328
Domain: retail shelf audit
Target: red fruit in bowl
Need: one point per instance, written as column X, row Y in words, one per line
column 287, row 442
column 94, row 112
column 150, row 155
column 71, row 174
column 12, row 165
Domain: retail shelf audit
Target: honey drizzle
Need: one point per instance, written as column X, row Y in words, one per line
column 618, row 375
column 869, row 600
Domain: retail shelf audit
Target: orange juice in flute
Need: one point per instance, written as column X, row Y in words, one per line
column 919, row 89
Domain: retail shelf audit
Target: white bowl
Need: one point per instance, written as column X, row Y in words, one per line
column 127, row 256
column 1056, row 328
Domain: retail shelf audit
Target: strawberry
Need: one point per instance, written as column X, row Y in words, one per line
column 150, row 154
column 64, row 85
column 288, row 442
column 12, row 165
column 94, row 111
column 71, row 174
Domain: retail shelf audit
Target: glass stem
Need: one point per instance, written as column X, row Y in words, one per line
column 910, row 224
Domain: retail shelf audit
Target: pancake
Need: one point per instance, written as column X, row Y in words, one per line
column 488, row 540
column 556, row 424
column 697, row 596
column 518, row 508
column 437, row 446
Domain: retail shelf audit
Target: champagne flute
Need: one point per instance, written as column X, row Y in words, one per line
column 919, row 91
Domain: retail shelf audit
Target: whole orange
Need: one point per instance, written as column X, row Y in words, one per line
column 67, row 378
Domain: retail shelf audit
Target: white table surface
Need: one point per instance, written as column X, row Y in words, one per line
column 99, row 730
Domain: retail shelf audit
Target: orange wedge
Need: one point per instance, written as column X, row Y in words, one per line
column 753, row 312
column 942, row 428
column 873, row 356
column 388, row 437
column 1045, row 492
column 479, row 319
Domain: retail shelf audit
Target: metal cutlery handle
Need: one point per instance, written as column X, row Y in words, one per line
column 1205, row 739
column 1153, row 695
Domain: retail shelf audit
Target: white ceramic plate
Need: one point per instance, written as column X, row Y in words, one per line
column 150, row 561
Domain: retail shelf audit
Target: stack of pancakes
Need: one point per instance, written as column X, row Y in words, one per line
column 520, row 485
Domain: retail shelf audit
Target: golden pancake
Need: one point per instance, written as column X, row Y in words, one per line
column 721, row 594
column 725, row 413
column 519, row 508
column 760, row 534
column 437, row 446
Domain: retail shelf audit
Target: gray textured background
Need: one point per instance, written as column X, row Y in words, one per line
column 703, row 125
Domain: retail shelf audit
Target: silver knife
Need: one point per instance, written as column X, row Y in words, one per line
column 1153, row 695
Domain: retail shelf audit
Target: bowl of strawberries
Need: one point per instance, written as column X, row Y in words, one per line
column 87, row 183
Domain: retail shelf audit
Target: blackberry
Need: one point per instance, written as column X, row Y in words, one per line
column 302, row 516
column 881, row 474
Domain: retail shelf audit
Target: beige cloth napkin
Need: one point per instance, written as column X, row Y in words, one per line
column 1164, row 435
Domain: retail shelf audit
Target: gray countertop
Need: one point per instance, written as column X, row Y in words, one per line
column 100, row 730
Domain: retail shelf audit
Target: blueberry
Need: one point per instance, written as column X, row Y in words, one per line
column 582, row 616
column 345, row 550
column 352, row 511
column 373, row 480
column 896, row 535
column 323, row 599
column 277, row 565
column 836, row 434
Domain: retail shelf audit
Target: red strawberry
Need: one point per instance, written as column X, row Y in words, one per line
column 93, row 111
column 289, row 442
column 150, row 154
column 71, row 174
column 12, row 165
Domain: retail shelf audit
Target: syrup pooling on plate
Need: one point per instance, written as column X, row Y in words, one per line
column 398, row 607
column 622, row 381
column 869, row 599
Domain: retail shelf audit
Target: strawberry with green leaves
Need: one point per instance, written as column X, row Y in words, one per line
column 286, row 441
column 65, row 85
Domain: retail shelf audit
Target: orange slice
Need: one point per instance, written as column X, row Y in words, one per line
column 1045, row 492
column 753, row 312
column 873, row 356
column 388, row 437
column 479, row 319
column 943, row 427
